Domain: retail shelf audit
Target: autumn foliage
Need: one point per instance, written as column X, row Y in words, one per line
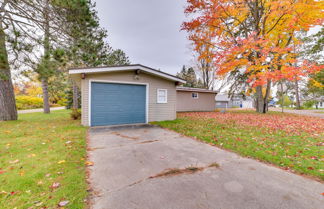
column 290, row 124
column 256, row 37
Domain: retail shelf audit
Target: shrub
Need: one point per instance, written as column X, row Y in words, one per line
column 309, row 104
column 62, row 102
column 76, row 114
column 28, row 102
column 69, row 98
column 286, row 101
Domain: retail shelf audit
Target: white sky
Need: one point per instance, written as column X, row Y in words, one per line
column 148, row 31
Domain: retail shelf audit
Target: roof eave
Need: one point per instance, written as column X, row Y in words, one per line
column 125, row 68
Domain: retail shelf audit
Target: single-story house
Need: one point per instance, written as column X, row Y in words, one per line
column 195, row 99
column 127, row 94
column 225, row 101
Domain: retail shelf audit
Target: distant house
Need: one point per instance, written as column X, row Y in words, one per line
column 225, row 101
column 320, row 105
column 319, row 102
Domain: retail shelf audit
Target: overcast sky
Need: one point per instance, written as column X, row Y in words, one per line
column 148, row 31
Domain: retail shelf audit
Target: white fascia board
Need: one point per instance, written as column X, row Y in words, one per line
column 124, row 68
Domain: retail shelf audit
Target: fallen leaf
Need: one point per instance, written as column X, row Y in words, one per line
column 63, row 203
column 89, row 163
column 39, row 204
column 55, row 185
column 13, row 162
column 60, row 162
column 32, row 155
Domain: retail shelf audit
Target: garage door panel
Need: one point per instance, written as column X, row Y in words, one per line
column 113, row 104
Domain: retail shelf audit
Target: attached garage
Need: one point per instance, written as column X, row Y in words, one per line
column 131, row 94
column 195, row 99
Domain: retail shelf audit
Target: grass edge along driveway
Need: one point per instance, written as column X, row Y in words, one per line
column 42, row 161
column 289, row 148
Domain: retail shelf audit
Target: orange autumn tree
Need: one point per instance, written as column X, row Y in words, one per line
column 254, row 38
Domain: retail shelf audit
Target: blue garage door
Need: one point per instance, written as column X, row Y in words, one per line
column 113, row 104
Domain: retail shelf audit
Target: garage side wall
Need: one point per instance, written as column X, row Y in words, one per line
column 185, row 102
column 156, row 111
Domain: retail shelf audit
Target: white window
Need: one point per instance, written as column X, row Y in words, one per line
column 194, row 95
column 162, row 96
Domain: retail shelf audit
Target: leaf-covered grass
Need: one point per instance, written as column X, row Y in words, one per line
column 42, row 161
column 289, row 141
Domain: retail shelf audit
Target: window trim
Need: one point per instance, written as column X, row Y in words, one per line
column 166, row 96
column 196, row 94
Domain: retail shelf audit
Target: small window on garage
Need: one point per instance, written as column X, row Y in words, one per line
column 194, row 95
column 162, row 96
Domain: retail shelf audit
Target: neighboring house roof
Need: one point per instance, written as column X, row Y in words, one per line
column 222, row 98
column 182, row 88
column 105, row 69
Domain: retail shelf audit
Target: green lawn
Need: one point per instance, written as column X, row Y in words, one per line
column 42, row 161
column 292, row 142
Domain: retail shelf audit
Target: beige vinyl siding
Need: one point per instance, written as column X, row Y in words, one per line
column 204, row 102
column 156, row 111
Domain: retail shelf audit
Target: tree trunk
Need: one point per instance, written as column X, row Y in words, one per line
column 297, row 95
column 46, row 105
column 259, row 99
column 207, row 76
column 43, row 75
column 266, row 97
column 75, row 96
column 8, row 109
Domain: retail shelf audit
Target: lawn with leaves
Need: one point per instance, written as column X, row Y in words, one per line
column 290, row 141
column 42, row 162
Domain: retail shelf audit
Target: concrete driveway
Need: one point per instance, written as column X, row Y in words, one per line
column 151, row 168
